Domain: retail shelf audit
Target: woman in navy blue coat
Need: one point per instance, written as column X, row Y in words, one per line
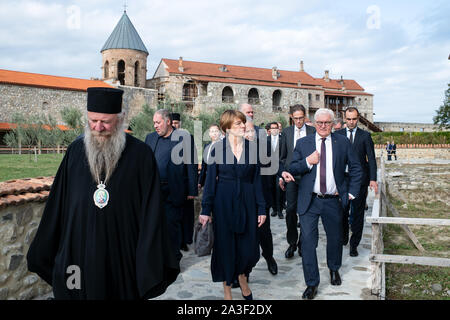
column 233, row 193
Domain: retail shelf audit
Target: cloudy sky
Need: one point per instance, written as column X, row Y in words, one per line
column 397, row 50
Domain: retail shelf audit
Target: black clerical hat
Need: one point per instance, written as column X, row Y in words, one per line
column 104, row 100
column 176, row 116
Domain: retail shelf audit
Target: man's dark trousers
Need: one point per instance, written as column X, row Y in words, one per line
column 265, row 237
column 330, row 210
column 357, row 209
column 174, row 218
column 292, row 235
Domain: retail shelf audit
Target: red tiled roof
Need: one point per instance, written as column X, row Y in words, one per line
column 6, row 126
column 48, row 81
column 20, row 191
column 257, row 76
column 251, row 82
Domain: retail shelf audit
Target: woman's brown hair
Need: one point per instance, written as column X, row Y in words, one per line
column 227, row 118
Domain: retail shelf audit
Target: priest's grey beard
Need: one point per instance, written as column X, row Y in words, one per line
column 103, row 152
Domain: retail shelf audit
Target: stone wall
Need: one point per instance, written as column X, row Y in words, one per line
column 210, row 96
column 407, row 127
column 18, row 226
column 135, row 98
column 418, row 153
column 111, row 58
column 33, row 101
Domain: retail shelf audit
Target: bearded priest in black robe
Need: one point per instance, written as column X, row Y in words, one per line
column 102, row 234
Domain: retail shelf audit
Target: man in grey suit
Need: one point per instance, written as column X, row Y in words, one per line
column 289, row 139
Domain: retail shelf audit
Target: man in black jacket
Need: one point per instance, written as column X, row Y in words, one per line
column 178, row 175
column 362, row 146
column 289, row 139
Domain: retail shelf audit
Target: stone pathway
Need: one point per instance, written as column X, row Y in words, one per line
column 195, row 282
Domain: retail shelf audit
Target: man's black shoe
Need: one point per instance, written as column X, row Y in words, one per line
column 290, row 252
column 353, row 252
column 272, row 265
column 273, row 214
column 309, row 293
column 280, row 215
column 335, row 278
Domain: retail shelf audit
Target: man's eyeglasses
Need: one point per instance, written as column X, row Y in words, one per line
column 323, row 123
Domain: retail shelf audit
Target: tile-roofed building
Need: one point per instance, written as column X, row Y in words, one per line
column 201, row 85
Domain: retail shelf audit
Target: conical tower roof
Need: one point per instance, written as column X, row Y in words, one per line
column 124, row 36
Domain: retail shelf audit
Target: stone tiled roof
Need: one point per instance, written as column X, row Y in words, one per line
column 48, row 81
column 20, row 191
column 124, row 36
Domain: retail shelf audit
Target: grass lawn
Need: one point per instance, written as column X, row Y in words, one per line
column 415, row 282
column 14, row 166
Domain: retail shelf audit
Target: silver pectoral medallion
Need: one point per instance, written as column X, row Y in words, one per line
column 101, row 196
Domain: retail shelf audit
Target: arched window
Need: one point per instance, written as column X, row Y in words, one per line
column 227, row 95
column 276, row 98
column 136, row 74
column 253, row 96
column 106, row 70
column 190, row 91
column 121, row 72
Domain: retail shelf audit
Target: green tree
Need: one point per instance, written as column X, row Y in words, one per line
column 142, row 123
column 73, row 118
column 442, row 117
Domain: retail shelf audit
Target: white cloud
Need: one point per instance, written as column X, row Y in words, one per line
column 404, row 63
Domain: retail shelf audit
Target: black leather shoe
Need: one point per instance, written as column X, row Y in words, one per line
column 335, row 278
column 272, row 265
column 184, row 247
column 249, row 297
column 353, row 252
column 273, row 214
column 290, row 252
column 280, row 215
column 309, row 293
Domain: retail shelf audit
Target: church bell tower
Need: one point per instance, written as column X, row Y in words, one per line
column 124, row 55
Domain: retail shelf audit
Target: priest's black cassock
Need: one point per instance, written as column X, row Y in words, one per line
column 123, row 249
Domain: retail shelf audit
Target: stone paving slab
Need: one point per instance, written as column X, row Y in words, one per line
column 195, row 281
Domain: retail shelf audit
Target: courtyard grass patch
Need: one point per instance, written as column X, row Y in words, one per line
column 430, row 199
column 15, row 166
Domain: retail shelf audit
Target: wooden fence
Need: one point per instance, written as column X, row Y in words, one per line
column 27, row 150
column 378, row 219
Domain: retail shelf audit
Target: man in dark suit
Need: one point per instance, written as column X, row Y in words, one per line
column 178, row 174
column 187, row 222
column 362, row 146
column 288, row 141
column 273, row 145
column 324, row 191
column 267, row 179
